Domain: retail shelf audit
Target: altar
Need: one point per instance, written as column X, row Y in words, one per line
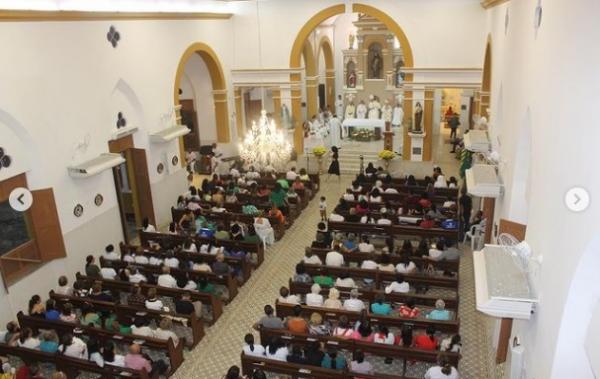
column 357, row 129
column 363, row 123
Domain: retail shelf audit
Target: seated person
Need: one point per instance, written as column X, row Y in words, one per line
column 296, row 323
column 323, row 234
column 286, row 297
column 269, row 320
column 384, row 219
column 399, row 285
column 354, row 303
column 314, row 298
column 291, row 174
column 110, row 254
column 98, row 294
column 434, row 213
column 205, row 286
column 166, row 279
column 333, row 360
column 405, row 266
column 427, row 222
column 352, row 215
column 301, row 276
column 250, row 348
column 379, row 307
column 349, row 195
column 164, row 331
column 153, row 302
column 135, row 360
column 345, row 280
column 222, row 233
column 334, row 258
column 409, row 310
column 426, row 341
column 440, row 312
column 311, row 258
column 323, row 280
column 349, row 244
column 365, row 246
column 385, row 263
column 333, row 299
column 276, row 212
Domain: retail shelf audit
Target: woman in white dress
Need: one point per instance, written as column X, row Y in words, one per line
column 265, row 231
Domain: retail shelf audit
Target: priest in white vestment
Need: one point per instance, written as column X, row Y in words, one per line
column 335, row 130
column 339, row 107
column 374, row 108
column 397, row 115
column 361, row 110
column 386, row 112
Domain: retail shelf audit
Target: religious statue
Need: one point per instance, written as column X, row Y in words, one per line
column 376, row 66
column 350, row 110
column 386, row 111
column 397, row 114
column 418, row 118
column 351, row 41
column 361, row 110
column 399, row 75
column 286, row 120
column 351, row 82
column 374, row 108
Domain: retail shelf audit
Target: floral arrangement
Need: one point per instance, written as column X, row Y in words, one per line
column 387, row 155
column 363, row 135
column 319, row 151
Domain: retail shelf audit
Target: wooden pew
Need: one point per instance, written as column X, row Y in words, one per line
column 175, row 353
column 284, row 309
column 175, row 293
column 402, row 188
column 73, row 366
column 393, row 230
column 227, row 217
column 379, row 276
column 358, row 257
column 250, row 363
column 381, row 350
column 195, row 324
column 227, row 281
column 240, row 264
column 368, row 294
column 257, row 248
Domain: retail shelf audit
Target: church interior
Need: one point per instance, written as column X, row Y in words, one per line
column 327, row 189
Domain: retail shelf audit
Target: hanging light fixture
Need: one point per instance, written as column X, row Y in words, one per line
column 265, row 146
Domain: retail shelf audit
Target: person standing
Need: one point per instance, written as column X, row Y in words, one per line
column 339, row 106
column 335, row 130
column 453, row 123
column 466, row 205
column 334, row 166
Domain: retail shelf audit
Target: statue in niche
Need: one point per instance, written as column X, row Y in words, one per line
column 398, row 112
column 418, row 118
column 286, row 120
column 398, row 74
column 387, row 111
column 375, row 61
column 351, row 41
column 351, row 75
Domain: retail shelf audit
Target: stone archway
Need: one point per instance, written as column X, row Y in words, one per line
column 218, row 84
column 311, row 78
column 297, row 51
column 485, row 96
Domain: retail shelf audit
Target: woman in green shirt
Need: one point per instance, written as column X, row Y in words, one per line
column 251, row 236
column 278, row 197
column 205, row 286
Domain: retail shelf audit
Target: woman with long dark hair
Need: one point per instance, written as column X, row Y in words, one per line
column 443, row 369
column 334, row 166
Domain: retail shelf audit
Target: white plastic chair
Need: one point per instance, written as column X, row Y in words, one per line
column 475, row 234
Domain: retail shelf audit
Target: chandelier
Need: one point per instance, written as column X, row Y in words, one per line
column 264, row 146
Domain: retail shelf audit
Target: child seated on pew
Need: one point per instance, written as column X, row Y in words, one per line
column 440, row 312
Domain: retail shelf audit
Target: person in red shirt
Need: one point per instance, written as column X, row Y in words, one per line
column 409, row 310
column 427, row 341
column 427, row 222
column 31, row 371
column 275, row 212
column 297, row 324
column 424, row 201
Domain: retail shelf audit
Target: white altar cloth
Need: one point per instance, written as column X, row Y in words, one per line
column 363, row 123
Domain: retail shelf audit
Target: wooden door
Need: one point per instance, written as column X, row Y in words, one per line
column 514, row 228
column 189, row 118
column 141, row 184
column 46, row 226
column 322, row 97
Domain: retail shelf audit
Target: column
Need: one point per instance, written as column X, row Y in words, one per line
column 276, row 93
column 221, row 115
column 428, row 125
column 330, row 88
column 239, row 116
column 407, row 123
column 296, row 109
column 312, row 99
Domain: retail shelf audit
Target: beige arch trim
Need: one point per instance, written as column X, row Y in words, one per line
column 217, row 78
column 325, row 47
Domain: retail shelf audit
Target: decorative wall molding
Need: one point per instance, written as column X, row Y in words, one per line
column 24, row 16
column 487, row 4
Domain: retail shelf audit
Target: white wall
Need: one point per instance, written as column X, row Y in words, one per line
column 553, row 75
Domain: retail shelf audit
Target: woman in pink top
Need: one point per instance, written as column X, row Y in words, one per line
column 363, row 333
column 343, row 329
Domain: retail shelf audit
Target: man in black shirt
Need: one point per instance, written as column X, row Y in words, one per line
column 466, row 205
column 184, row 305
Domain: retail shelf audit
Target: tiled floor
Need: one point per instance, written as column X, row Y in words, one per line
column 223, row 342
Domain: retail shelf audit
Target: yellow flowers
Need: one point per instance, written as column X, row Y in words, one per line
column 387, row 155
column 319, row 151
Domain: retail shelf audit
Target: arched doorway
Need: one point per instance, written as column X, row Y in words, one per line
column 297, row 54
column 326, row 49
column 486, row 81
column 219, row 88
